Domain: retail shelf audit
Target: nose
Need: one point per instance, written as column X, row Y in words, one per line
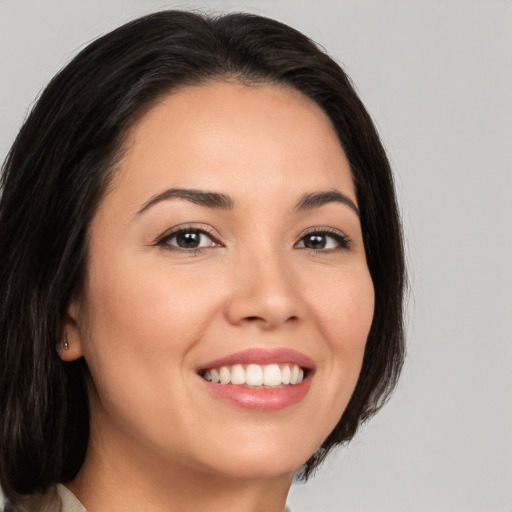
column 265, row 293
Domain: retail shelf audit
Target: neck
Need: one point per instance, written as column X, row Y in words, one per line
column 132, row 480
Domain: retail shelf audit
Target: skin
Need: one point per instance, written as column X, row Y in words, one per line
column 152, row 313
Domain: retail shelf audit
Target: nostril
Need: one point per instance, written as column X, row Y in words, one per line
column 254, row 318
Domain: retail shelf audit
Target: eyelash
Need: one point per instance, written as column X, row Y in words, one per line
column 342, row 241
column 164, row 240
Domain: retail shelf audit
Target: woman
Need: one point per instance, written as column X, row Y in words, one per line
column 201, row 269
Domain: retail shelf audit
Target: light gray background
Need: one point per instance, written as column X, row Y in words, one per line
column 436, row 77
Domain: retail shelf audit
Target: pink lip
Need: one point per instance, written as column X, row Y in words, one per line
column 262, row 356
column 262, row 399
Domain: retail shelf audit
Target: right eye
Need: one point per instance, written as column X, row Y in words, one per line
column 187, row 239
column 324, row 240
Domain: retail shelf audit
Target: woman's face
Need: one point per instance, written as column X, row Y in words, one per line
column 230, row 244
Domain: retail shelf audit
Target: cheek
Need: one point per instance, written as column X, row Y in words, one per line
column 148, row 308
column 344, row 312
column 138, row 332
column 141, row 322
column 344, row 309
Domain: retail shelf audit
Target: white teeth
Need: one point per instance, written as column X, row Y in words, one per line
column 225, row 375
column 271, row 375
column 254, row 375
column 237, row 374
column 285, row 374
column 294, row 377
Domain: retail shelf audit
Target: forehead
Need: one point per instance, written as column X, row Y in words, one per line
column 228, row 135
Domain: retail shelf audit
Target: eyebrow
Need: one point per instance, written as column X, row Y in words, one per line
column 217, row 200
column 317, row 199
column 208, row 199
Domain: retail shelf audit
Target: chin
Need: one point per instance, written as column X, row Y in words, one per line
column 270, row 468
column 260, row 458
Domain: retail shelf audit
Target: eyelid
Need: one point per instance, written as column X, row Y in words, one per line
column 176, row 230
column 341, row 238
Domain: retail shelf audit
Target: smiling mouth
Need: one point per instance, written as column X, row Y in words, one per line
column 256, row 375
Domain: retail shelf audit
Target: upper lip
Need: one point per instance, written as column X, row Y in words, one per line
column 262, row 356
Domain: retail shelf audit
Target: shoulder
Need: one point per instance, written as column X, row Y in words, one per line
column 56, row 499
column 69, row 502
column 47, row 502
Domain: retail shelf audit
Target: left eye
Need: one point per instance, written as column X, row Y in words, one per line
column 188, row 239
column 323, row 241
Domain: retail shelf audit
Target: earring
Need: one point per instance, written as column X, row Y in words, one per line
column 65, row 342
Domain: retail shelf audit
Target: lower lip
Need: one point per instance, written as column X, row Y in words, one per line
column 260, row 399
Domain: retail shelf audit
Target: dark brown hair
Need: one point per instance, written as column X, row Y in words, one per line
column 59, row 167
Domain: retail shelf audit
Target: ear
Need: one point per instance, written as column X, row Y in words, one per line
column 70, row 345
